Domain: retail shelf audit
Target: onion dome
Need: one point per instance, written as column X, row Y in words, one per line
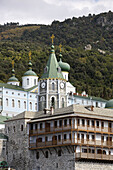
column 30, row 72
column 109, row 104
column 64, row 66
column 13, row 78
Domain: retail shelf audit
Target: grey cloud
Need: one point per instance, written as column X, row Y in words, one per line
column 45, row 11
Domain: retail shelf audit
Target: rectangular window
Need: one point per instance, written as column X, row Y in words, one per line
column 35, row 126
column 65, row 122
column 93, row 137
column 82, row 136
column 60, row 123
column 70, row 136
column 102, row 125
column 78, row 122
column 40, row 126
column 97, row 124
column 46, row 138
column 102, row 139
column 59, row 138
column 78, row 136
column 69, row 122
column 65, row 137
column 31, row 127
column 84, row 150
column 87, row 137
column 93, row 151
column 88, row 123
column 83, row 122
column 92, row 123
column 55, row 124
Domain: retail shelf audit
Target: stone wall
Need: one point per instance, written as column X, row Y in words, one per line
column 93, row 166
column 53, row 162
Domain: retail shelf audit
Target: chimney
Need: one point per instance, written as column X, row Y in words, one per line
column 92, row 108
column 46, row 111
column 52, row 110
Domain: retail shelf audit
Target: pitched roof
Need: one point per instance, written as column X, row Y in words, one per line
column 3, row 118
column 9, row 86
column 52, row 69
column 73, row 110
column 91, row 98
column 3, row 136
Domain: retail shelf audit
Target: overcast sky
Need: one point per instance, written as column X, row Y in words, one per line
column 46, row 11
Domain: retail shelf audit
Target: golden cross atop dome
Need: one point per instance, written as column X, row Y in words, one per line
column 60, row 46
column 29, row 55
column 52, row 37
column 12, row 63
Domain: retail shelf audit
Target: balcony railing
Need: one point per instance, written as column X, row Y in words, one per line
column 81, row 155
column 95, row 128
column 49, row 130
column 49, row 143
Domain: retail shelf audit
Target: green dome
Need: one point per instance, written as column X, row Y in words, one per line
column 30, row 73
column 64, row 66
column 12, row 79
column 109, row 104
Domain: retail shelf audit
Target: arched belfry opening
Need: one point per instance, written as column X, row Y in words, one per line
column 53, row 102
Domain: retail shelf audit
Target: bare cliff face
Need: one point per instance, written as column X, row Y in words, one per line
column 105, row 19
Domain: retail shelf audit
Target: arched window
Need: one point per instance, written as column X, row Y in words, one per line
column 27, row 81
column 24, row 104
column 35, row 106
column 21, row 127
column 46, row 69
column 7, row 102
column 62, row 102
column 53, row 86
column 34, row 82
column 46, row 154
column 59, row 152
column 53, row 102
column 0, row 102
column 30, row 106
column 19, row 103
column 37, row 155
column 13, row 103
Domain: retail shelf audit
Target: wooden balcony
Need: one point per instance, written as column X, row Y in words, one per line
column 52, row 143
column 49, row 130
column 95, row 129
column 81, row 155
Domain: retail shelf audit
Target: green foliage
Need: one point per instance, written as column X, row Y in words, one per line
column 90, row 70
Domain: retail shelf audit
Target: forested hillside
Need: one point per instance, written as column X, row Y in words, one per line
column 91, row 69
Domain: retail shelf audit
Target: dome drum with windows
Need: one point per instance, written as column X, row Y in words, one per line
column 29, row 78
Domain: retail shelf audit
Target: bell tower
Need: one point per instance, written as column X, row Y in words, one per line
column 52, row 85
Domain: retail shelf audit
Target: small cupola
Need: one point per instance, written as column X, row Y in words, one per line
column 13, row 80
column 29, row 78
column 65, row 67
